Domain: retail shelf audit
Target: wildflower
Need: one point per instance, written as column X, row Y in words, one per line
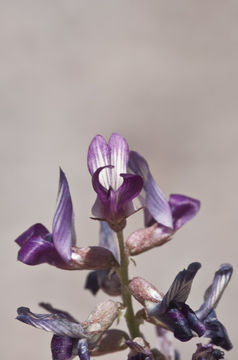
column 115, row 187
column 139, row 350
column 172, row 312
column 162, row 218
column 72, row 338
column 38, row 245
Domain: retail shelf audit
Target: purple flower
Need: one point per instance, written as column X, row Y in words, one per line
column 115, row 187
column 162, row 218
column 172, row 311
column 72, row 338
column 38, row 245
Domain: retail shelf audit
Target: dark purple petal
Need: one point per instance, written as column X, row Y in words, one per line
column 63, row 223
column 83, row 351
column 215, row 290
column 183, row 209
column 107, row 239
column 62, row 313
column 38, row 251
column 94, row 280
column 179, row 290
column 34, row 231
column 55, row 323
column 130, row 188
column 216, row 331
column 119, row 158
column 62, row 347
column 99, row 155
column 177, row 322
column 194, row 323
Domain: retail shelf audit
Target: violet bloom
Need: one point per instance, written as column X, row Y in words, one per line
column 171, row 310
column 207, row 352
column 162, row 218
column 115, row 187
column 38, row 245
column 71, row 337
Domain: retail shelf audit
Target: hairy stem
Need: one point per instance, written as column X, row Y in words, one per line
column 126, row 296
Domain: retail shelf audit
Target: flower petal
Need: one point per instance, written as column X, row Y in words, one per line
column 63, row 223
column 99, row 155
column 119, row 158
column 179, row 290
column 215, row 290
column 138, row 165
column 52, row 322
column 183, row 209
column 48, row 307
column 38, row 251
column 107, row 239
column 100, row 189
column 216, row 331
column 83, row 351
column 156, row 202
column 34, row 230
column 130, row 188
column 94, row 280
column 62, row 347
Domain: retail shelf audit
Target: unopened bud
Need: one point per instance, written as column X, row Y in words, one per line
column 102, row 317
column 144, row 291
column 146, row 239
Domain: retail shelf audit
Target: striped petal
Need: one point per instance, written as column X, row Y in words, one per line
column 55, row 323
column 63, row 222
column 119, row 158
column 99, row 156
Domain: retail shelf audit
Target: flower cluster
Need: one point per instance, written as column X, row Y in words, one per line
column 124, row 185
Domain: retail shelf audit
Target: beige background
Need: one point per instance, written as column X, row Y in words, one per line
column 161, row 73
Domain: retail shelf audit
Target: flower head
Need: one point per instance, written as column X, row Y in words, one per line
column 72, row 338
column 38, row 245
column 162, row 217
column 115, row 187
column 171, row 311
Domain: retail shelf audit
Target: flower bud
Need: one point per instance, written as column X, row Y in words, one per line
column 102, row 317
column 145, row 239
column 144, row 292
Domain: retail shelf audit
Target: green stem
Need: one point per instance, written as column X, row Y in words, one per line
column 126, row 296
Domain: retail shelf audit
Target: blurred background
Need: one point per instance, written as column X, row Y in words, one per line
column 164, row 75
